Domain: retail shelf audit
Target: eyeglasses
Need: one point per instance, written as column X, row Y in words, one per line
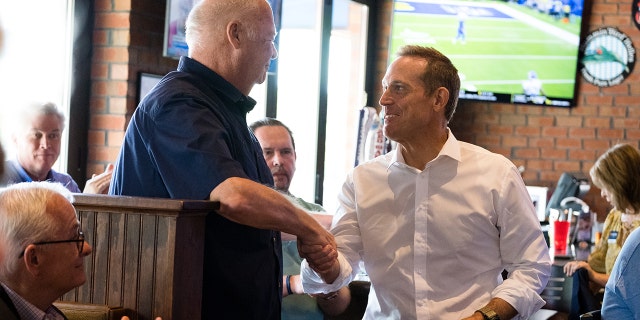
column 79, row 243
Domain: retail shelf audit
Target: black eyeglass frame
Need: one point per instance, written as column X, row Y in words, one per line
column 80, row 240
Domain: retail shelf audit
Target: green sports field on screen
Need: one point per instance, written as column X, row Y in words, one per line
column 496, row 45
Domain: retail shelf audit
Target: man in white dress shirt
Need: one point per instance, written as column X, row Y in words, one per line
column 437, row 220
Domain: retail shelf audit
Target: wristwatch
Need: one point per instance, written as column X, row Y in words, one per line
column 488, row 313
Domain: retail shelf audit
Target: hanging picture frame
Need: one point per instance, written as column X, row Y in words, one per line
column 146, row 82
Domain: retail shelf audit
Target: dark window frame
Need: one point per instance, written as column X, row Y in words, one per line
column 80, row 94
column 272, row 87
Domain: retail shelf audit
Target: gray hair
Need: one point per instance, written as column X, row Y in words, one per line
column 33, row 109
column 24, row 218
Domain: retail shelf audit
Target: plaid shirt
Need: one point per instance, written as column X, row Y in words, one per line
column 28, row 311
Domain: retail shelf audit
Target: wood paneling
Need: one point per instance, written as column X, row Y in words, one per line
column 147, row 254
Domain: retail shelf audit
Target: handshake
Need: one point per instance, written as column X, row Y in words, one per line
column 321, row 253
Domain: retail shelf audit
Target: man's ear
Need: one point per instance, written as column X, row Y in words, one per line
column 233, row 33
column 441, row 97
column 32, row 259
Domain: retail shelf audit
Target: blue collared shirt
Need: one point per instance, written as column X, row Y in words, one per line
column 188, row 135
column 15, row 173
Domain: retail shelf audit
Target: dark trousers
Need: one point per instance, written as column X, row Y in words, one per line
column 582, row 299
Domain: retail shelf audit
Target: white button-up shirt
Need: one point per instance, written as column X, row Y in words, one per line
column 434, row 242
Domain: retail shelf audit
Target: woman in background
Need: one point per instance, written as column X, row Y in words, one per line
column 617, row 174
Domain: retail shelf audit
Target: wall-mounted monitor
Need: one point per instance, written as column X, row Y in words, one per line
column 524, row 52
column 175, row 44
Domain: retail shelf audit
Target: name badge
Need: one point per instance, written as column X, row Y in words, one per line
column 613, row 236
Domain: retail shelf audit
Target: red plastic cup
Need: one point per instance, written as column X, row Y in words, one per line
column 560, row 235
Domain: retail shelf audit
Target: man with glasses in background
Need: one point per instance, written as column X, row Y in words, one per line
column 42, row 250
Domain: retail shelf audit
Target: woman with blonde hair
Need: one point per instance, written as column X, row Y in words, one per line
column 617, row 174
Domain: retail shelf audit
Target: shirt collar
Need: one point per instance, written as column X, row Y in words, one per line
column 26, row 310
column 24, row 176
column 451, row 149
column 216, row 82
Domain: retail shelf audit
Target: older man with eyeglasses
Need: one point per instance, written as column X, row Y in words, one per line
column 42, row 250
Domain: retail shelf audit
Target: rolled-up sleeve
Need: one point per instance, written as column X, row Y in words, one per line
column 523, row 250
column 346, row 229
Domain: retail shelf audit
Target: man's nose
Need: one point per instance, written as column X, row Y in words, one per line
column 385, row 99
column 276, row 160
column 86, row 249
column 44, row 143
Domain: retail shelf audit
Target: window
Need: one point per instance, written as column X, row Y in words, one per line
column 36, row 61
column 321, row 88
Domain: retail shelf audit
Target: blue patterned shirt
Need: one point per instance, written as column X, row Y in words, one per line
column 28, row 311
column 15, row 173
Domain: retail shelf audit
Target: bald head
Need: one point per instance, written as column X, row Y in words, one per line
column 234, row 38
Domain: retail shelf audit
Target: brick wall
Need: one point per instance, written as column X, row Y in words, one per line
column 546, row 141
column 549, row 141
column 127, row 40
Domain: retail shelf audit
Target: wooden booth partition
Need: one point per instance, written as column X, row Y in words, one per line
column 147, row 254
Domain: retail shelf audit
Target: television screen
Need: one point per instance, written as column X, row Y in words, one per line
column 523, row 52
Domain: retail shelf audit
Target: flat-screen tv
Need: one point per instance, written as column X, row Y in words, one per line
column 523, row 52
